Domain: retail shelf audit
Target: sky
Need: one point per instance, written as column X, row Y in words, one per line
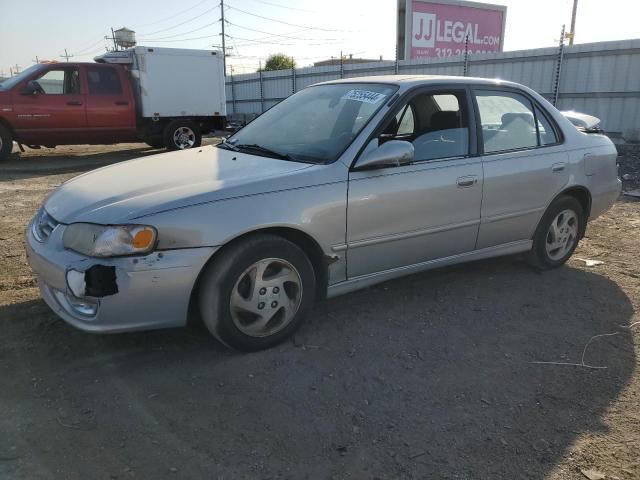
column 305, row 29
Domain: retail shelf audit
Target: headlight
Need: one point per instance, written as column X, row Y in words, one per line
column 109, row 240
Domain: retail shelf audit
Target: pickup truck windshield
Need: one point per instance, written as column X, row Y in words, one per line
column 11, row 82
column 315, row 125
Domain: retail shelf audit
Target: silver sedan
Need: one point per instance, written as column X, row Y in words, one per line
column 343, row 185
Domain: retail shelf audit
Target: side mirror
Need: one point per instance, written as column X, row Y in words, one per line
column 390, row 154
column 32, row 87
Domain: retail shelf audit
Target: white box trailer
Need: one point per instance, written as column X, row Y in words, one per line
column 174, row 83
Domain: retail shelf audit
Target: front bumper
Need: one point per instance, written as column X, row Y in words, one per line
column 153, row 291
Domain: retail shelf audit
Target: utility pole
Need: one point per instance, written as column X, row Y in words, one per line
column 573, row 22
column 16, row 69
column 36, row 60
column 224, row 50
column 113, row 37
column 66, row 56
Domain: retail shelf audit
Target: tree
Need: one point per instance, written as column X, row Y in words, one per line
column 279, row 61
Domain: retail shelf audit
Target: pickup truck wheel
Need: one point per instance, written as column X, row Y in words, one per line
column 181, row 135
column 256, row 293
column 6, row 142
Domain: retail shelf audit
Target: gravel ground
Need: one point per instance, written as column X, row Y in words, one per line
column 429, row 376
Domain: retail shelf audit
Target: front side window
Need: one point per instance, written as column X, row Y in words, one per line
column 436, row 123
column 314, row 125
column 60, row 82
column 103, row 81
column 507, row 121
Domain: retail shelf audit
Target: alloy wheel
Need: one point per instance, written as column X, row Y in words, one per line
column 266, row 297
column 184, row 137
column 562, row 235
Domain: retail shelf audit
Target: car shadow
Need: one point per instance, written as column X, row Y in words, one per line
column 429, row 376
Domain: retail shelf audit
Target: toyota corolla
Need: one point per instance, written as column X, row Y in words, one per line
column 342, row 185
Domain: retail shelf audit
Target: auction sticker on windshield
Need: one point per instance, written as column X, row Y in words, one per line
column 365, row 96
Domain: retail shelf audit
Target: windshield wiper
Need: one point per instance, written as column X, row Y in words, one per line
column 227, row 146
column 259, row 148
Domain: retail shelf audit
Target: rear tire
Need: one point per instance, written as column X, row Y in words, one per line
column 6, row 142
column 182, row 135
column 257, row 292
column 558, row 234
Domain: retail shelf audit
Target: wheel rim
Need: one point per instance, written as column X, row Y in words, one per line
column 562, row 235
column 184, row 137
column 266, row 297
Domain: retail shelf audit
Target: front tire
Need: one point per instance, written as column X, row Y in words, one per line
column 182, row 135
column 6, row 142
column 257, row 292
column 558, row 234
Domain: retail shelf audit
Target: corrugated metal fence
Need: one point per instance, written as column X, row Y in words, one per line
column 602, row 79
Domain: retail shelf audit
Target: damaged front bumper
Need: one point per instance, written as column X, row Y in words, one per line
column 115, row 294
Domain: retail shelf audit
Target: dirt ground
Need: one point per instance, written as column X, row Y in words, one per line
column 430, row 376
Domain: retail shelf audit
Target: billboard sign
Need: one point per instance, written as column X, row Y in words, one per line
column 440, row 28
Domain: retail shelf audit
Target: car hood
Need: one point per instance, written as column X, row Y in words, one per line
column 136, row 188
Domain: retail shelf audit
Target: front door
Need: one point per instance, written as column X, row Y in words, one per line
column 53, row 114
column 427, row 210
column 525, row 166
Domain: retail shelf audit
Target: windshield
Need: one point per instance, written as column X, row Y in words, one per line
column 314, row 125
column 11, row 82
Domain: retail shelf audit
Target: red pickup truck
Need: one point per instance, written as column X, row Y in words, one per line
column 106, row 103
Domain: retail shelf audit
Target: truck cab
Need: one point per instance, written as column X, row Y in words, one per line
column 69, row 103
column 126, row 96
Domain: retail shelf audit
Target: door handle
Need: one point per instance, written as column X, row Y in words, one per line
column 121, row 102
column 468, row 181
column 74, row 103
column 558, row 167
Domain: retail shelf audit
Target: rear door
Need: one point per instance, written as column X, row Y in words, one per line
column 110, row 104
column 55, row 114
column 524, row 161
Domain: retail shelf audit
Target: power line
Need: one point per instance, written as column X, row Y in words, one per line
column 181, row 33
column 248, row 42
column 93, row 52
column 283, row 22
column 285, row 6
column 93, row 45
column 174, row 15
column 182, row 39
column 181, row 23
column 278, row 35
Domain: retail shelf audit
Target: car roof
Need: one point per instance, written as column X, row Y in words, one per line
column 415, row 80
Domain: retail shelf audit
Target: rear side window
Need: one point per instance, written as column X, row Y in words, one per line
column 545, row 129
column 507, row 121
column 103, row 81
